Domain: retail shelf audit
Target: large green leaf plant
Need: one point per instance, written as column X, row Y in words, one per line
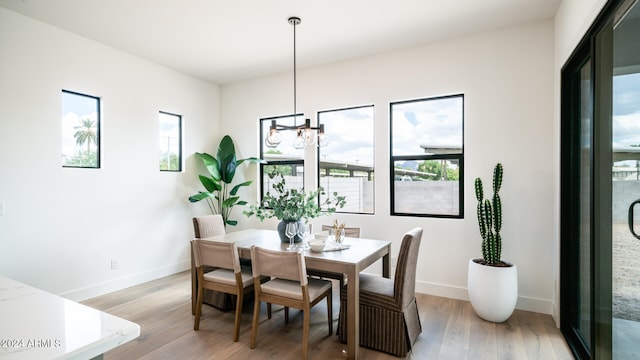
column 221, row 195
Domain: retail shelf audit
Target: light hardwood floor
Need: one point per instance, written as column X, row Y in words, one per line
column 450, row 330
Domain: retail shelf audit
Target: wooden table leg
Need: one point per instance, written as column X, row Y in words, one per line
column 194, row 284
column 386, row 264
column 353, row 313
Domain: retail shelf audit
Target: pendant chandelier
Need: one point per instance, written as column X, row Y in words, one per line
column 305, row 133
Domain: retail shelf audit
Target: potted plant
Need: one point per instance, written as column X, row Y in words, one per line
column 492, row 282
column 293, row 205
column 220, row 195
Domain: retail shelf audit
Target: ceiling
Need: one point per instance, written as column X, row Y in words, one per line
column 224, row 41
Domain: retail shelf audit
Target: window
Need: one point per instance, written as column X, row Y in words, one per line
column 80, row 130
column 170, row 150
column 427, row 157
column 346, row 163
column 283, row 157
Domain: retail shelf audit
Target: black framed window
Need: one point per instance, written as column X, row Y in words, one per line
column 283, row 157
column 346, row 163
column 427, row 157
column 170, row 141
column 80, row 130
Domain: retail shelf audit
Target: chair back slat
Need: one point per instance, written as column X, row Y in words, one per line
column 208, row 225
column 405, row 276
column 217, row 254
column 287, row 265
column 352, row 232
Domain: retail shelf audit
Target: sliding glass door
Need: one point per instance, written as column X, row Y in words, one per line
column 600, row 189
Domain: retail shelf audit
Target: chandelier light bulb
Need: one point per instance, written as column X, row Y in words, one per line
column 299, row 141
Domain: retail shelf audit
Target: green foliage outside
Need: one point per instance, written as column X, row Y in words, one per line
column 281, row 169
column 173, row 162
column 436, row 167
column 83, row 159
column 85, row 134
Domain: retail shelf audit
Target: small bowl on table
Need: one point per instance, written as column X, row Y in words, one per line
column 321, row 236
column 317, row 245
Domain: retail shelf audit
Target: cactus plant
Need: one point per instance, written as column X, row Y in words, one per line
column 490, row 219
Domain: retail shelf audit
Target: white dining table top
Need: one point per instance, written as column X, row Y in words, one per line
column 35, row 324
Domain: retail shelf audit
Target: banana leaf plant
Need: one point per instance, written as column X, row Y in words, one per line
column 221, row 195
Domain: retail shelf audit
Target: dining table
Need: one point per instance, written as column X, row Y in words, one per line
column 357, row 255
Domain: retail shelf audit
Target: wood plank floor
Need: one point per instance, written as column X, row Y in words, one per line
column 450, row 330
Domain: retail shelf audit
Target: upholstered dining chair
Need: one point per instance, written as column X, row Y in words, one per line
column 353, row 232
column 389, row 319
column 208, row 225
column 205, row 226
column 289, row 286
column 227, row 277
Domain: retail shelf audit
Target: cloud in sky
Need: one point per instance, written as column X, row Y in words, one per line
column 626, row 130
column 351, row 135
column 169, row 133
column 436, row 122
column 69, row 121
column 75, row 108
column 626, row 110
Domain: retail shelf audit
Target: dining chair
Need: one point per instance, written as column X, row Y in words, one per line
column 348, row 231
column 389, row 319
column 206, row 226
column 289, row 286
column 228, row 277
column 353, row 232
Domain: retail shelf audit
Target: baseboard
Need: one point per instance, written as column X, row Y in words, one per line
column 125, row 282
column 556, row 314
column 457, row 292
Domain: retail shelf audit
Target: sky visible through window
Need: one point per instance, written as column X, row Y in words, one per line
column 350, row 133
column 431, row 123
column 626, row 111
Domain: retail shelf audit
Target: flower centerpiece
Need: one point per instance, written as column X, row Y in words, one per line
column 293, row 205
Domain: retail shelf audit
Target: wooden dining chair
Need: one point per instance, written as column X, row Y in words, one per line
column 389, row 319
column 348, row 231
column 289, row 286
column 228, row 277
column 206, row 226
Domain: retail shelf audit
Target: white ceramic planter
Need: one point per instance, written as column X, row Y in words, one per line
column 493, row 291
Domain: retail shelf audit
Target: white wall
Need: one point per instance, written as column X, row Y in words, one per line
column 572, row 21
column 63, row 226
column 507, row 79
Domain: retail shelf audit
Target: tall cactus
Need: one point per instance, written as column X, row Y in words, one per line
column 490, row 218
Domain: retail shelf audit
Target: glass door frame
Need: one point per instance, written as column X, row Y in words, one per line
column 596, row 47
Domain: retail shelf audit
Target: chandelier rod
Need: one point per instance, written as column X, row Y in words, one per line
column 294, row 21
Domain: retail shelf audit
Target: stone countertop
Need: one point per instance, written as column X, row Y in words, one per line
column 35, row 324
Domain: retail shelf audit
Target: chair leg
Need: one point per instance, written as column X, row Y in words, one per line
column 286, row 315
column 254, row 324
column 268, row 310
column 236, row 328
column 330, row 311
column 305, row 333
column 196, row 323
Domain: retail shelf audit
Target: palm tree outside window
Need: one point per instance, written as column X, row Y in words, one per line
column 80, row 130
